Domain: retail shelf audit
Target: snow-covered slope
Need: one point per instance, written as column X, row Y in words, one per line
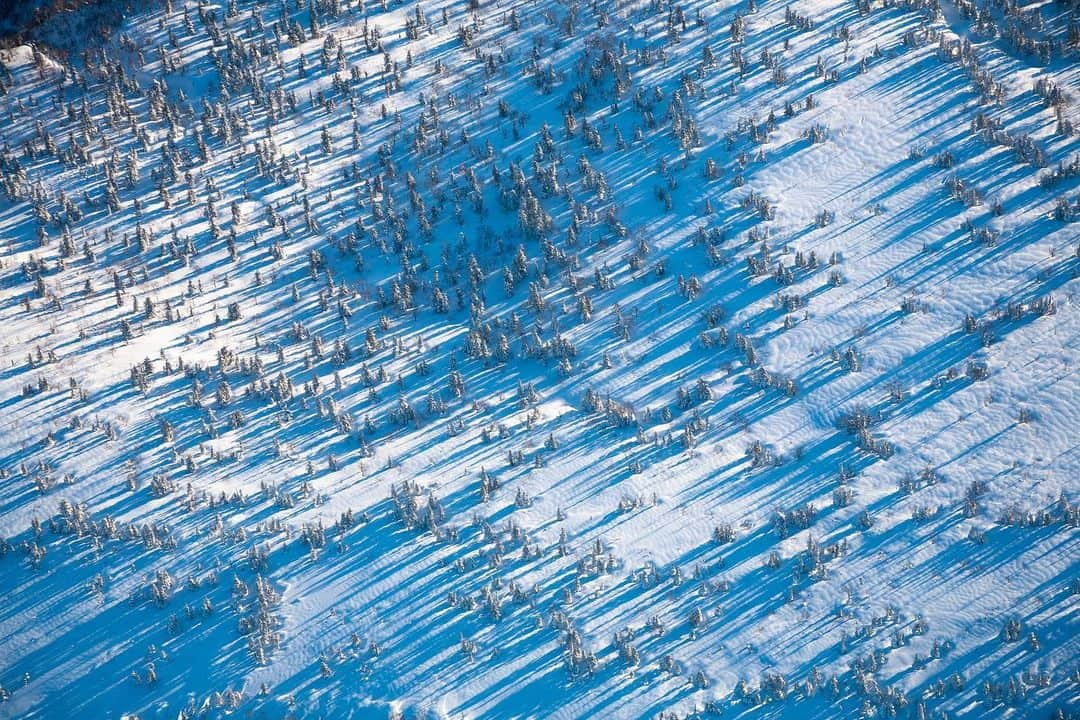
column 518, row 359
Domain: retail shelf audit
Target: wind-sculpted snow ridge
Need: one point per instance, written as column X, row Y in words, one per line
column 542, row 359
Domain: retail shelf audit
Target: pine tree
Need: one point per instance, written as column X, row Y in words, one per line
column 326, row 141
column 224, row 393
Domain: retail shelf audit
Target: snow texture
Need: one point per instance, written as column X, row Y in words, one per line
column 541, row 359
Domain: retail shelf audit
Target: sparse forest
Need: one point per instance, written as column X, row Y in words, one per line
column 563, row 358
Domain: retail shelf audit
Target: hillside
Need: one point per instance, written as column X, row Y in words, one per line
column 503, row 358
